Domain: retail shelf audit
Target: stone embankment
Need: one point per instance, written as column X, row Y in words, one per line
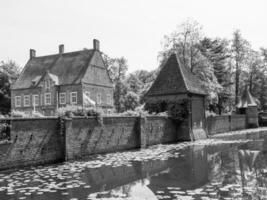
column 251, row 134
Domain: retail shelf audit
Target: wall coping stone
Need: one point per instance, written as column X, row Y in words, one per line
column 27, row 118
column 156, row 116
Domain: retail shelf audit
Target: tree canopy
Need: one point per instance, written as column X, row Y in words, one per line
column 9, row 72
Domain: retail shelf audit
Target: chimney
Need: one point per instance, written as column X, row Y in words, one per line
column 32, row 53
column 61, row 49
column 96, row 44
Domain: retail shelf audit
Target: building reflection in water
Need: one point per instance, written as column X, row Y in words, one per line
column 226, row 170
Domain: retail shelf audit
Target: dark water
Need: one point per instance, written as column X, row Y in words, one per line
column 202, row 170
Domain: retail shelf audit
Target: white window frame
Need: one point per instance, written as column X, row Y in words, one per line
column 73, row 95
column 17, row 98
column 62, row 96
column 109, row 102
column 45, row 98
column 47, row 84
column 98, row 98
column 35, row 98
column 25, row 102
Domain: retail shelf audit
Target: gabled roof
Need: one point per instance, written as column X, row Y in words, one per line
column 53, row 77
column 246, row 100
column 66, row 68
column 174, row 78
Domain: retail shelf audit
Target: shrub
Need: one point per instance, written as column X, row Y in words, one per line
column 36, row 114
column 179, row 110
column 16, row 113
column 77, row 111
column 139, row 111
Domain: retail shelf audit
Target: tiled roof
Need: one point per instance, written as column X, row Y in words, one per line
column 67, row 68
column 174, row 78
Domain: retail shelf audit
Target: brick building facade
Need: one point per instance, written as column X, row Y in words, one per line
column 49, row 82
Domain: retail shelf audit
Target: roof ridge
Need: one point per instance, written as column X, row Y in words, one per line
column 62, row 54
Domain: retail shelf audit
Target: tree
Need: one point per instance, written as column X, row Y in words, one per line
column 133, row 83
column 118, row 73
column 240, row 48
column 217, row 52
column 109, row 63
column 183, row 41
column 131, row 101
column 9, row 72
column 146, row 78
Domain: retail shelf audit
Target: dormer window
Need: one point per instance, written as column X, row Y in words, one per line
column 47, row 84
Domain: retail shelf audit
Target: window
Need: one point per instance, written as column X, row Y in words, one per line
column 109, row 99
column 35, row 99
column 73, row 98
column 98, row 98
column 26, row 100
column 62, row 98
column 47, row 84
column 47, row 100
column 17, row 101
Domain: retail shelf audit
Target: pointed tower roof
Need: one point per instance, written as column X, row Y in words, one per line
column 174, row 78
column 246, row 100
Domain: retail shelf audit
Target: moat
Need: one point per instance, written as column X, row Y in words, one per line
column 208, row 169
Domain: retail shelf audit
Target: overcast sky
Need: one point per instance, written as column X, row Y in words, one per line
column 133, row 29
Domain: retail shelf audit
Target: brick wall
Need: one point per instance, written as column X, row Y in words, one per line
column 159, row 129
column 33, row 141
column 48, row 140
column 225, row 123
column 85, row 136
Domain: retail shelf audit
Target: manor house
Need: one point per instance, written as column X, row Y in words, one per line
column 74, row 78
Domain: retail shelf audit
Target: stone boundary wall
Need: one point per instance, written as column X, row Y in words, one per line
column 33, row 141
column 225, row 123
column 158, row 129
column 87, row 136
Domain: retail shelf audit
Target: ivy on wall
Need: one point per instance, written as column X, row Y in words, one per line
column 177, row 110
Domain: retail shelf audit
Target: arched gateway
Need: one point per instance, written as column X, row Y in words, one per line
column 177, row 91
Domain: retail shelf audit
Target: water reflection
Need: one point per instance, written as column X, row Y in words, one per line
column 203, row 170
